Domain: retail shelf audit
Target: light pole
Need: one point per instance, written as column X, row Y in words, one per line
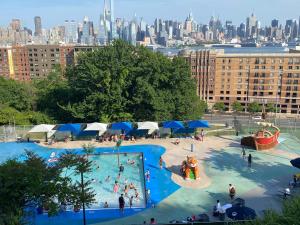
column 119, row 142
column 83, row 203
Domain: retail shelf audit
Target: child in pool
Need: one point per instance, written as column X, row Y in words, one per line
column 116, row 188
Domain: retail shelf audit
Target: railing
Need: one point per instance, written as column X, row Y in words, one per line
column 206, row 223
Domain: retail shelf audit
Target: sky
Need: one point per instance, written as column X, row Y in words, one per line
column 54, row 12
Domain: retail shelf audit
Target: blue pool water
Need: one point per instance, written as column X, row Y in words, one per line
column 105, row 165
column 160, row 185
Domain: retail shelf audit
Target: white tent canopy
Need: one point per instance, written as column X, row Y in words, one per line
column 101, row 127
column 147, row 126
column 42, row 128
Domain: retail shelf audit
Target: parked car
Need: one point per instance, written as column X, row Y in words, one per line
column 256, row 118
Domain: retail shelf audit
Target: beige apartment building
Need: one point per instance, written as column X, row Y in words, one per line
column 253, row 77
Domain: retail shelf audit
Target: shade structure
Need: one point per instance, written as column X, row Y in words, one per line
column 42, row 128
column 147, row 126
column 296, row 163
column 240, row 213
column 73, row 128
column 198, row 124
column 184, row 131
column 127, row 126
column 96, row 127
column 173, row 124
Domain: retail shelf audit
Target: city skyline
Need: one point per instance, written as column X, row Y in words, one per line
column 76, row 10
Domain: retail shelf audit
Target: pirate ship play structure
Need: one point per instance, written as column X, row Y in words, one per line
column 265, row 138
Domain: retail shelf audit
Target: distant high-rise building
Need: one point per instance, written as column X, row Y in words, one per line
column 87, row 36
column 71, row 32
column 113, row 28
column 38, row 26
column 102, row 38
column 132, row 33
column 275, row 23
column 16, row 24
column 251, row 26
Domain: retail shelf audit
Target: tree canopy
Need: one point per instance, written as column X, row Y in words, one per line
column 237, row 106
column 254, row 107
column 220, row 106
column 123, row 82
column 18, row 103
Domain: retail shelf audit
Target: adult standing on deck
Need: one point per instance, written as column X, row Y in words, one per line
column 243, row 152
column 202, row 135
column 231, row 191
column 121, row 203
column 249, row 160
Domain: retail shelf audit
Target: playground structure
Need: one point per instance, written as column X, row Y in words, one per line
column 190, row 169
column 262, row 139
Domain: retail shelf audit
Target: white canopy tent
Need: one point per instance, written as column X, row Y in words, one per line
column 151, row 126
column 101, row 127
column 147, row 126
column 47, row 129
column 42, row 128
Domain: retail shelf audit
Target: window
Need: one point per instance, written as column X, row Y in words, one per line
column 238, row 92
column 227, row 92
column 290, row 67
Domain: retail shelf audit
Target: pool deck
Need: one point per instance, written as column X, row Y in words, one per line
column 220, row 163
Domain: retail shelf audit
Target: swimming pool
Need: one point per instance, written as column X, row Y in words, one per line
column 106, row 173
column 160, row 184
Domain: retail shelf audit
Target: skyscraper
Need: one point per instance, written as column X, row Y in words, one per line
column 38, row 26
column 113, row 28
column 71, row 33
column 15, row 24
column 251, row 27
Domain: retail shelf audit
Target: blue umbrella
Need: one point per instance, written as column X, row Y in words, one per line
column 122, row 126
column 198, row 124
column 240, row 213
column 296, row 163
column 74, row 128
column 173, row 124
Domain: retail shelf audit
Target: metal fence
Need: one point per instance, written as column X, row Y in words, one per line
column 11, row 132
column 246, row 124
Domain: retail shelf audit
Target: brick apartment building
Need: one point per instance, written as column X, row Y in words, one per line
column 36, row 61
column 264, row 78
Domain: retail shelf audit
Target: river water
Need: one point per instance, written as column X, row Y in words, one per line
column 174, row 51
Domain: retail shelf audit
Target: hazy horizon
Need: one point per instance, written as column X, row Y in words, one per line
column 54, row 12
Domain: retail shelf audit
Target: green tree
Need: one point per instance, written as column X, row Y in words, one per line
column 270, row 107
column 123, row 82
column 10, row 115
column 290, row 214
column 220, row 106
column 15, row 94
column 254, row 107
column 35, row 182
column 237, row 106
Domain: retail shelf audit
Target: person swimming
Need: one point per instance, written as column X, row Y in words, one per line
column 107, row 179
column 130, row 162
column 136, row 193
column 126, row 190
column 116, row 188
column 131, row 186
